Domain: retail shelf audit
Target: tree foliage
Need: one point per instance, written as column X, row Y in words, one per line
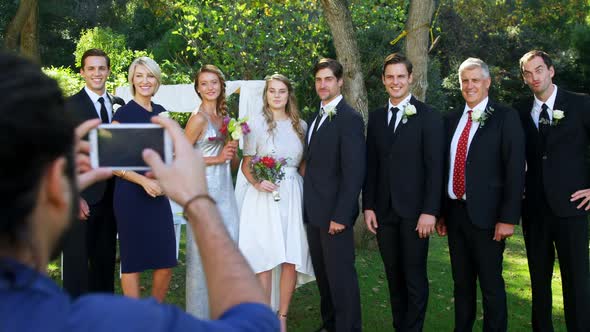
column 500, row 32
column 115, row 45
column 249, row 39
column 69, row 81
column 252, row 39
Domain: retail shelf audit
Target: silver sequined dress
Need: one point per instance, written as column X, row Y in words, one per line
column 220, row 185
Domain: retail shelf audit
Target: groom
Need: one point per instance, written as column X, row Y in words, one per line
column 334, row 174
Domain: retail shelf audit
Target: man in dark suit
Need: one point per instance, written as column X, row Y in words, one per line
column 90, row 245
column 402, row 192
column 485, row 167
column 334, row 175
column 555, row 209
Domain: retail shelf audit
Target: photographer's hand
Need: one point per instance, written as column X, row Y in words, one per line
column 86, row 174
column 185, row 176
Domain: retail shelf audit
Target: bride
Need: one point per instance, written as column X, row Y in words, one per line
column 272, row 233
column 202, row 130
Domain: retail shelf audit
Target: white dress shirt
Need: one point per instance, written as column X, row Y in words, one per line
column 400, row 113
column 537, row 105
column 334, row 102
column 107, row 102
column 462, row 123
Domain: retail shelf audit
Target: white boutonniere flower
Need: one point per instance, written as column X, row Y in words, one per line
column 409, row 110
column 558, row 115
column 330, row 111
column 116, row 107
column 481, row 116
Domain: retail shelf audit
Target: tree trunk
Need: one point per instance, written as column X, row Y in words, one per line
column 418, row 27
column 340, row 21
column 13, row 30
column 29, row 38
column 354, row 90
column 22, row 33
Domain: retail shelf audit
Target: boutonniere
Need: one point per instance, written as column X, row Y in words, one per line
column 558, row 115
column 330, row 111
column 481, row 116
column 409, row 110
column 116, row 107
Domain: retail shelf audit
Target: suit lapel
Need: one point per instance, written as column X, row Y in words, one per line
column 481, row 128
column 561, row 103
column 529, row 124
column 324, row 126
column 88, row 105
column 311, row 133
column 401, row 124
column 453, row 123
column 384, row 125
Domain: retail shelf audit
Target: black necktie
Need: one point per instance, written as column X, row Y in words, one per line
column 317, row 123
column 104, row 116
column 544, row 122
column 391, row 125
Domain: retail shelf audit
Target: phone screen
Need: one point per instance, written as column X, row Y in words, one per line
column 119, row 146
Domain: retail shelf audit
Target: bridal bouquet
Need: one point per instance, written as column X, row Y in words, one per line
column 270, row 169
column 180, row 117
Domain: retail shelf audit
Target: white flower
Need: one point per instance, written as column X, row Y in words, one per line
column 330, row 111
column 237, row 134
column 116, row 107
column 476, row 115
column 165, row 114
column 558, row 114
column 481, row 116
column 409, row 110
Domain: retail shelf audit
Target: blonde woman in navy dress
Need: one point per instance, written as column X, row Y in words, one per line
column 143, row 214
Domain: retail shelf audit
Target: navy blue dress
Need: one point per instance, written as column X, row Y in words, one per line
column 146, row 229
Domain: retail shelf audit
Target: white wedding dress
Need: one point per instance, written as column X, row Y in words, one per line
column 220, row 185
column 271, row 232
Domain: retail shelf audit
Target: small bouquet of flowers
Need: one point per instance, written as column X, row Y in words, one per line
column 233, row 129
column 270, row 169
column 180, row 117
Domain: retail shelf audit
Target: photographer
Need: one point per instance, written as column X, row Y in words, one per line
column 38, row 201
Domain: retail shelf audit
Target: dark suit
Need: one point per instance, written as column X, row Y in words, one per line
column 90, row 245
column 334, row 174
column 494, row 177
column 557, row 167
column 404, row 179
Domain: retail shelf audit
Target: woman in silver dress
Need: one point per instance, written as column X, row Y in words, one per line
column 203, row 130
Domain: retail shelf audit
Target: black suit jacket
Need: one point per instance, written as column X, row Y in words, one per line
column 494, row 170
column 335, row 169
column 562, row 168
column 82, row 108
column 405, row 168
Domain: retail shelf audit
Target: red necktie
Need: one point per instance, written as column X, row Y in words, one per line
column 460, row 158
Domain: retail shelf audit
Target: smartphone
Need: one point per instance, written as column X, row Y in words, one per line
column 120, row 146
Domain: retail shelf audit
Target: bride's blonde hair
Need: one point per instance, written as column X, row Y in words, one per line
column 290, row 108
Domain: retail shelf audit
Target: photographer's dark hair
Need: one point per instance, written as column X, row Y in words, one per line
column 395, row 58
column 95, row 52
column 35, row 130
column 332, row 64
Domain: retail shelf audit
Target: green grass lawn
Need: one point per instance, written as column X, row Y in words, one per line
column 304, row 314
